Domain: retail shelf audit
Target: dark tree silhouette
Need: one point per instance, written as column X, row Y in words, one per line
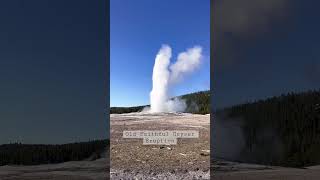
column 282, row 130
column 34, row 154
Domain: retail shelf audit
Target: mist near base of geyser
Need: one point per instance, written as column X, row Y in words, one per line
column 165, row 76
column 171, row 106
column 176, row 105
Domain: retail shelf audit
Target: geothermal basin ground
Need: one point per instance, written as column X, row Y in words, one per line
column 73, row 170
column 226, row 170
column 188, row 159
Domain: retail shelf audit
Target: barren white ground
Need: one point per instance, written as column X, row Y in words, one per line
column 224, row 170
column 73, row 170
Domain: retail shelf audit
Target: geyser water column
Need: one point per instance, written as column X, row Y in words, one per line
column 163, row 79
column 160, row 80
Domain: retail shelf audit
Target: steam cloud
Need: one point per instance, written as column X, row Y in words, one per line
column 166, row 75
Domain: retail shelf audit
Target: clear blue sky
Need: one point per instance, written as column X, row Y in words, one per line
column 137, row 31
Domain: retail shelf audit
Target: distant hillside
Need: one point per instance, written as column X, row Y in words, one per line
column 121, row 110
column 282, row 130
column 198, row 103
column 34, row 154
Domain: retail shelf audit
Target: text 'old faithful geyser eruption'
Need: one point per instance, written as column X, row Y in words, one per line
column 165, row 75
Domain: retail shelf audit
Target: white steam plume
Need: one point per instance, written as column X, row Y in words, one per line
column 162, row 78
column 187, row 62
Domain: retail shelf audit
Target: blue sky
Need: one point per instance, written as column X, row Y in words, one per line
column 137, row 31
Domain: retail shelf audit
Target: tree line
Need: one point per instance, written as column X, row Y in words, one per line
column 121, row 110
column 283, row 130
column 35, row 154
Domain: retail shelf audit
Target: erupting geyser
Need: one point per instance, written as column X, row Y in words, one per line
column 163, row 78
